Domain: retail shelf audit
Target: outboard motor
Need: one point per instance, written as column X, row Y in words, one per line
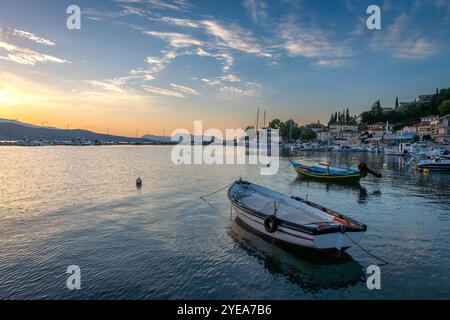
column 364, row 169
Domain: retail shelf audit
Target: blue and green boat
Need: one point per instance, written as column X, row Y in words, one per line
column 333, row 172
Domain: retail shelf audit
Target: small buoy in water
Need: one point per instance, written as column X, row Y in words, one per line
column 385, row 165
column 139, row 182
column 426, row 171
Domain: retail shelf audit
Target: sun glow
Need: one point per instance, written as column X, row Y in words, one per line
column 7, row 98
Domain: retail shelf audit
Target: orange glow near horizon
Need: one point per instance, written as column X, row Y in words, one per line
column 119, row 113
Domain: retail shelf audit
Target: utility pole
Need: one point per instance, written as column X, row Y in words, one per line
column 43, row 122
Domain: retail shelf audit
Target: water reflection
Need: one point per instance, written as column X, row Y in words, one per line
column 362, row 194
column 309, row 270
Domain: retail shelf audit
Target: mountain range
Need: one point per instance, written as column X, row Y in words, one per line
column 12, row 130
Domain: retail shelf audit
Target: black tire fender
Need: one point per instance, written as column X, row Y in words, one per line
column 271, row 224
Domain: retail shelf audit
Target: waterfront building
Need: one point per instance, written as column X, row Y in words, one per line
column 442, row 133
column 426, row 98
column 342, row 132
column 323, row 133
column 424, row 128
column 379, row 129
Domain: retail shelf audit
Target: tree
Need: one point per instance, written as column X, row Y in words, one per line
column 367, row 117
column 331, row 119
column 308, row 134
column 289, row 130
column 396, row 103
column 347, row 116
column 444, row 108
column 275, row 124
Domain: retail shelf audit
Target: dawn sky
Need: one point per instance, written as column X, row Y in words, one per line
column 153, row 65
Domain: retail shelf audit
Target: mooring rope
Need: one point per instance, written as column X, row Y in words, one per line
column 365, row 250
column 213, row 193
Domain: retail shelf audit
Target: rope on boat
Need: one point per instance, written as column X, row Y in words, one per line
column 213, row 193
column 365, row 250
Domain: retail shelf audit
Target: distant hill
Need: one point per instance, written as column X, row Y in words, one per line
column 15, row 130
column 156, row 138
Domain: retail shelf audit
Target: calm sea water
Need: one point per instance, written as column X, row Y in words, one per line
column 62, row 206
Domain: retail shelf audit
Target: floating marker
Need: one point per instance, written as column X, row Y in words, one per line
column 139, row 182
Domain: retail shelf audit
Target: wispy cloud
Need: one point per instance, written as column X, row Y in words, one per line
column 226, row 58
column 163, row 92
column 177, row 5
column 231, row 37
column 7, row 33
column 187, row 23
column 185, row 89
column 129, row 11
column 107, row 85
column 233, row 85
column 176, row 40
column 257, row 9
column 221, row 80
column 27, row 56
column 250, row 90
column 403, row 41
column 158, row 64
column 235, row 38
column 309, row 41
column 137, row 77
column 335, row 63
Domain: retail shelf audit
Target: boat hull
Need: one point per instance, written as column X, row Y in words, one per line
column 331, row 242
column 351, row 178
column 435, row 167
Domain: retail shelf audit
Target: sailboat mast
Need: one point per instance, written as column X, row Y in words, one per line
column 257, row 121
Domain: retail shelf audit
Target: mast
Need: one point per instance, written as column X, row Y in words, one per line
column 264, row 124
column 257, row 121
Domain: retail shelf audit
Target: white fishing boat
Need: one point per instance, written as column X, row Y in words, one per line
column 435, row 164
column 402, row 150
column 293, row 220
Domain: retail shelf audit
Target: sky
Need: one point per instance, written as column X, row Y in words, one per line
column 152, row 66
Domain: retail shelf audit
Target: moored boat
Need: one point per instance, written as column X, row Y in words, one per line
column 331, row 172
column 293, row 220
column 435, row 164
